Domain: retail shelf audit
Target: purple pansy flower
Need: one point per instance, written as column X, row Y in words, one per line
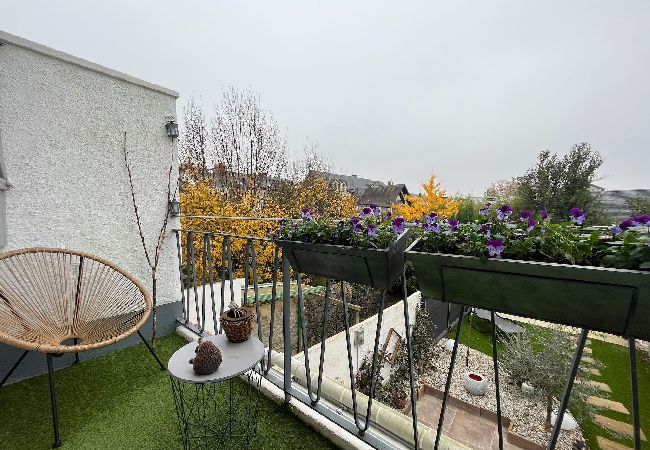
column 356, row 225
column 525, row 215
column 504, row 211
column 366, row 212
column 616, row 230
column 399, row 225
column 431, row 218
column 453, row 223
column 307, row 214
column 485, row 210
column 495, row 247
column 641, row 220
column 626, row 224
column 386, row 216
column 376, row 210
column 577, row 216
column 431, row 227
column 531, row 224
column 485, row 228
column 543, row 214
column 372, row 231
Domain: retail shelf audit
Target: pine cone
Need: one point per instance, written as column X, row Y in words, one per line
column 208, row 358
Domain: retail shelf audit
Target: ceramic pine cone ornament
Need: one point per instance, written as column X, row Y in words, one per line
column 208, row 358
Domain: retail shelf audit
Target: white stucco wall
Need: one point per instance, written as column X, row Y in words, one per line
column 62, row 122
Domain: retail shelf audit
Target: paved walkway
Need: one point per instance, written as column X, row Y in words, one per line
column 468, row 429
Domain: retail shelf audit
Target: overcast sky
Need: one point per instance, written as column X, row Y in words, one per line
column 470, row 91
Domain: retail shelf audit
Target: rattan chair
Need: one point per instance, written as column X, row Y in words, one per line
column 58, row 301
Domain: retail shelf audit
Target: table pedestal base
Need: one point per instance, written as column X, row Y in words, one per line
column 218, row 415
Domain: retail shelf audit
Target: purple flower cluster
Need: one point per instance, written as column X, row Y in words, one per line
column 373, row 231
column 632, row 222
column 495, row 247
column 368, row 211
column 503, row 212
column 399, row 225
column 431, row 227
column 357, row 226
column 577, row 216
column 485, row 210
column 307, row 214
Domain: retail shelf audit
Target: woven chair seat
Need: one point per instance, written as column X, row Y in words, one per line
column 50, row 296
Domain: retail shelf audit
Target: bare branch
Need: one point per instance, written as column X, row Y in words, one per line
column 135, row 204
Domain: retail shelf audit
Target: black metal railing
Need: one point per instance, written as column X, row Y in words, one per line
column 203, row 302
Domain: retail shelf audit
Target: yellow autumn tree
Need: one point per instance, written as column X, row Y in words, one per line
column 323, row 196
column 201, row 198
column 434, row 199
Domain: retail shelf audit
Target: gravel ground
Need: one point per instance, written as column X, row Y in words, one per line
column 526, row 413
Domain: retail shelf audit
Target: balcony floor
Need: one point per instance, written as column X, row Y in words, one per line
column 123, row 401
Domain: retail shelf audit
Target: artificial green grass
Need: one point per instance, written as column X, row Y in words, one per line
column 122, row 400
column 479, row 336
column 614, row 371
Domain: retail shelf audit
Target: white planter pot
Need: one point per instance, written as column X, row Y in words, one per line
column 568, row 422
column 449, row 345
column 527, row 389
column 475, row 383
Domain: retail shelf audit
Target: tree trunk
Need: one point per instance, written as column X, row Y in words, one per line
column 549, row 409
column 153, row 311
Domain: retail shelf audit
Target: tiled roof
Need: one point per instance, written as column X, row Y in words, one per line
column 382, row 195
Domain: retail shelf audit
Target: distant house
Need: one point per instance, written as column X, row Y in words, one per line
column 366, row 191
column 615, row 202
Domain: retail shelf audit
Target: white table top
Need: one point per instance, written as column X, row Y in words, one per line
column 237, row 359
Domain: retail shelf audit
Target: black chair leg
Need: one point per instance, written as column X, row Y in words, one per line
column 76, row 355
column 55, row 415
column 162, row 366
column 13, row 368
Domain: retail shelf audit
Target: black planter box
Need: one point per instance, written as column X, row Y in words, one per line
column 611, row 300
column 370, row 267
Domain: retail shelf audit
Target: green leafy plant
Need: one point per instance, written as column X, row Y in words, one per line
column 370, row 229
column 542, row 359
column 533, row 237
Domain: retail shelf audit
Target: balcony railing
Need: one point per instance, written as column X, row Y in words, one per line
column 208, row 285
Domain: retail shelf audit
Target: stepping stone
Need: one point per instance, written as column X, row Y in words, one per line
column 588, row 341
column 588, row 350
column 600, row 386
column 596, row 384
column 617, row 426
column 593, row 371
column 608, row 404
column 606, row 444
column 588, row 360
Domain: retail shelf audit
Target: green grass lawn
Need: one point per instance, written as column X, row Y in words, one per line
column 614, row 372
column 123, row 401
